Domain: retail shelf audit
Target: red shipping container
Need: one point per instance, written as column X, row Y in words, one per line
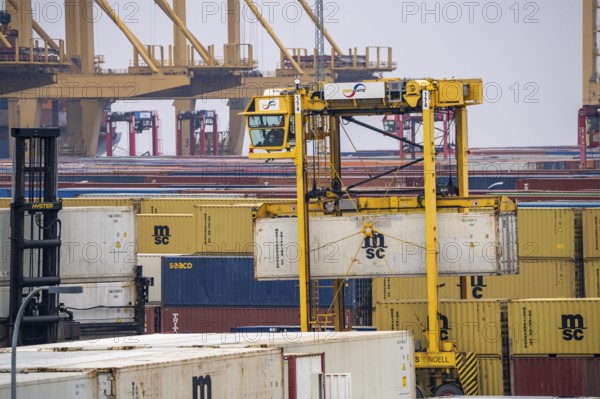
column 555, row 376
column 566, row 183
column 222, row 319
column 218, row 320
column 152, row 319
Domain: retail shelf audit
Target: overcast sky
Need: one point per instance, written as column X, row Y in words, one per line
column 528, row 54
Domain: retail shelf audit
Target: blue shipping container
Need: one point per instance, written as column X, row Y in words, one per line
column 229, row 281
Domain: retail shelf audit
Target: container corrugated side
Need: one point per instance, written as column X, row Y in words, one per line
column 102, row 302
column 591, row 233
column 546, row 233
column 591, row 278
column 396, row 288
column 381, row 364
column 166, row 234
column 152, row 315
column 555, row 376
column 473, row 326
column 104, row 202
column 229, row 281
column 536, row 279
column 186, row 205
column 491, row 376
column 300, row 374
column 473, row 243
column 64, row 385
column 210, row 320
column 224, row 229
column 231, row 372
column 98, row 303
column 98, row 243
column 554, row 326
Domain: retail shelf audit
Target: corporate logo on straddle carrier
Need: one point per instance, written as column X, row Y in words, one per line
column 358, row 88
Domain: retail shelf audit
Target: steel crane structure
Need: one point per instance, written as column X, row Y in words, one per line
column 36, row 67
column 282, row 127
column 588, row 120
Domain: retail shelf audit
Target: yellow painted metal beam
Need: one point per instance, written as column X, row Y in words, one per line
column 394, row 205
column 590, row 93
column 276, row 39
column 313, row 17
column 302, row 209
column 130, row 36
column 22, row 18
column 4, row 42
column 44, row 35
column 431, row 258
column 163, row 5
column 462, row 148
column 435, row 360
column 95, row 86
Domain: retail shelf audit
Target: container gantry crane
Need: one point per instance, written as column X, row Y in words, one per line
column 281, row 126
column 588, row 116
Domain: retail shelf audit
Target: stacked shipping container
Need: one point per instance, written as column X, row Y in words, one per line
column 539, row 343
column 213, row 287
column 473, row 326
column 98, row 252
column 376, row 364
column 548, row 268
column 554, row 345
column 591, row 252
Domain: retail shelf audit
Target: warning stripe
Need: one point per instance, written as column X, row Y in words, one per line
column 466, row 365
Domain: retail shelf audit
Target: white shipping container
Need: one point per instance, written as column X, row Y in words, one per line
column 381, row 363
column 151, row 267
column 302, row 373
column 98, row 303
column 338, row 386
column 67, row 385
column 471, row 243
column 166, row 373
column 97, row 243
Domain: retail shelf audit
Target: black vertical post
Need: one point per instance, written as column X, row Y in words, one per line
column 35, row 230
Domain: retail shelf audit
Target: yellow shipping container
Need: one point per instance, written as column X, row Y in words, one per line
column 554, row 326
column 591, row 233
column 546, row 233
column 224, row 229
column 536, row 279
column 5, row 202
column 591, row 278
column 474, row 326
column 70, row 202
column 179, row 205
column 491, row 376
column 166, row 234
column 398, row 288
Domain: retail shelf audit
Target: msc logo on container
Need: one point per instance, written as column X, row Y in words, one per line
column 161, row 235
column 201, row 387
column 374, row 246
column 477, row 286
column 572, row 327
column 444, row 328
